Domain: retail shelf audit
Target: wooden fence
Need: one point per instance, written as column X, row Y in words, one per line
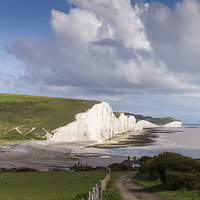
column 97, row 191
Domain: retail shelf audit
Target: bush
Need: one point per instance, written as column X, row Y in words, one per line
column 172, row 167
column 143, row 159
column 82, row 195
column 25, row 169
column 119, row 167
column 20, row 169
column 182, row 178
column 111, row 194
column 175, row 162
column 144, row 163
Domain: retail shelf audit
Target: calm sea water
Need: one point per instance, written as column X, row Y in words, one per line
column 185, row 141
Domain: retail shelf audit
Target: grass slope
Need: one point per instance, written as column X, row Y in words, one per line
column 47, row 185
column 161, row 121
column 24, row 117
column 158, row 121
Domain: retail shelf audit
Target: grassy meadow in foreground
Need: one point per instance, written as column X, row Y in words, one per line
column 46, row 185
column 24, row 117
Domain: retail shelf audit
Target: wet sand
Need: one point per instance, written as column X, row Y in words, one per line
column 45, row 155
column 36, row 154
column 141, row 138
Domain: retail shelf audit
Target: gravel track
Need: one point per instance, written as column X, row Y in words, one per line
column 132, row 191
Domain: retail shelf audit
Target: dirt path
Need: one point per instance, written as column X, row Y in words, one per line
column 131, row 191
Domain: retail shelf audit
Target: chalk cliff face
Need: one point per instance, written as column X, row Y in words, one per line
column 100, row 123
column 144, row 124
column 97, row 123
column 174, row 124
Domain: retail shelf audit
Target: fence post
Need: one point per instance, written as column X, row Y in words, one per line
column 100, row 189
column 183, row 190
column 97, row 192
column 93, row 194
column 89, row 197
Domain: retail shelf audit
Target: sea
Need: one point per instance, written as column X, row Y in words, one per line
column 184, row 140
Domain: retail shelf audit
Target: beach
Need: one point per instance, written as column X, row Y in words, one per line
column 46, row 155
column 36, row 154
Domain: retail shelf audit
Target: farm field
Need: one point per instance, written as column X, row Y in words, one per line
column 58, row 185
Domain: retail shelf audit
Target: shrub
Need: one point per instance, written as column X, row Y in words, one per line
column 119, row 167
column 25, row 169
column 20, row 169
column 172, row 166
column 82, row 195
column 182, row 178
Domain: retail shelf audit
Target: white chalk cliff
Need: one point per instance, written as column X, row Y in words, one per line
column 174, row 124
column 144, row 124
column 98, row 123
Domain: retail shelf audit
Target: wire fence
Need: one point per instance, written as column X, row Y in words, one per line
column 176, row 190
column 97, row 191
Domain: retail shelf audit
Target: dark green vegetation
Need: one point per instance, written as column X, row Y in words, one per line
column 25, row 117
column 171, row 174
column 115, row 167
column 47, row 185
column 172, row 167
column 117, row 114
column 19, row 169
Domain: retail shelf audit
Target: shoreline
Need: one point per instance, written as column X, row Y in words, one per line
column 46, row 155
column 139, row 138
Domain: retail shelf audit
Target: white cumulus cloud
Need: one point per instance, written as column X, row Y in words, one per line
column 114, row 47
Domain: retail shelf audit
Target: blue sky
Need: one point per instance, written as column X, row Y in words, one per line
column 169, row 3
column 141, row 58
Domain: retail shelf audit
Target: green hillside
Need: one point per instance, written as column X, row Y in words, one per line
column 24, row 117
column 161, row 121
column 158, row 121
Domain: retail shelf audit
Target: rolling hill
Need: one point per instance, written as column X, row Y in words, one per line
column 24, row 117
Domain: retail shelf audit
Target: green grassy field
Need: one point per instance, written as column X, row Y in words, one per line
column 34, row 115
column 46, row 185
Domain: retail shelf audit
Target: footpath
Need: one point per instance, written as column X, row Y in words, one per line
column 132, row 191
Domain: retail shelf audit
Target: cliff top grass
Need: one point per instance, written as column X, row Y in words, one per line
column 117, row 114
column 158, row 121
column 24, row 117
column 161, row 121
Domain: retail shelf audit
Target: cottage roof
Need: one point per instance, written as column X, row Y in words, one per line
column 127, row 162
column 137, row 162
column 130, row 162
